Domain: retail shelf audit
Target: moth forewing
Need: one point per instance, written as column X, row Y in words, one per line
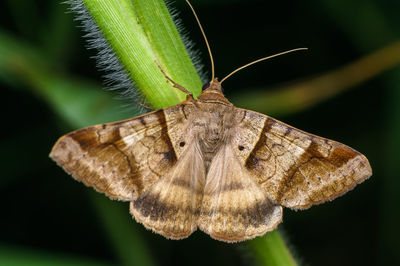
column 121, row 159
column 298, row 169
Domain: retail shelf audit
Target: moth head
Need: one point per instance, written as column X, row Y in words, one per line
column 213, row 92
column 213, row 85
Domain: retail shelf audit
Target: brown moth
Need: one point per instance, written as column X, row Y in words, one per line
column 206, row 164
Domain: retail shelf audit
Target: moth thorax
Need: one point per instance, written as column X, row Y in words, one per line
column 214, row 135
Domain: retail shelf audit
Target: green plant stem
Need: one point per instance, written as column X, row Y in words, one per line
column 271, row 250
column 140, row 33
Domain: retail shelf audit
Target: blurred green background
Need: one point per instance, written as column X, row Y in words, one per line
column 48, row 218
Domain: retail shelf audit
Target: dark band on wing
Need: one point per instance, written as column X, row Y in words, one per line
column 252, row 161
column 170, row 155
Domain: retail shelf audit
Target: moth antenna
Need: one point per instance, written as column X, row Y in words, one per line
column 205, row 38
column 259, row 60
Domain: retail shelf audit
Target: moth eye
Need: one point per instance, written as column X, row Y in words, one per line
column 240, row 147
column 182, row 144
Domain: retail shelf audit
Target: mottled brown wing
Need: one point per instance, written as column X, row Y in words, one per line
column 235, row 207
column 123, row 159
column 295, row 168
column 171, row 206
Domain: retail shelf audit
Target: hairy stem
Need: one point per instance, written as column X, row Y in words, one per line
column 140, row 33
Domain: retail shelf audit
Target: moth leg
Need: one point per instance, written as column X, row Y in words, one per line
column 145, row 106
column 174, row 84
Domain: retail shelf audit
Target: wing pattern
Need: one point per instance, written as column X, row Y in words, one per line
column 235, row 207
column 121, row 159
column 298, row 169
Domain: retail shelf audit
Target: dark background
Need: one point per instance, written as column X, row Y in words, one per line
column 47, row 215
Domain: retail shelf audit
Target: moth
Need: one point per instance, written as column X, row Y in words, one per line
column 206, row 164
